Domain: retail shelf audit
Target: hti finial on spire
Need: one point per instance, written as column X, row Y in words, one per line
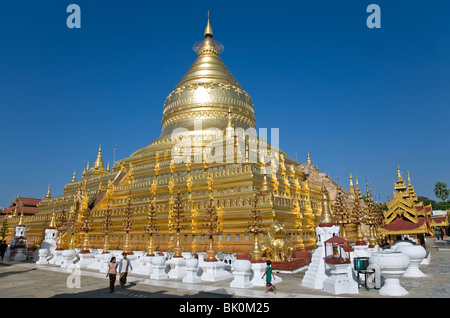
column 208, row 30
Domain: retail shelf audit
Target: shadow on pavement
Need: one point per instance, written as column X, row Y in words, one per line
column 126, row 292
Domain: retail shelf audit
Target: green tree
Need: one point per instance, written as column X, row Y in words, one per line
column 441, row 191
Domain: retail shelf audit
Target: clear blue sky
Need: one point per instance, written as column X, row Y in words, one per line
column 359, row 100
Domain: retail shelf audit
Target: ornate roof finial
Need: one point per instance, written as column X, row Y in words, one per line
column 399, row 174
column 208, row 30
column 99, row 162
column 74, row 179
column 48, row 195
column 309, row 159
column 400, row 184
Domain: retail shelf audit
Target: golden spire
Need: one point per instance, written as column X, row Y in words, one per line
column 207, row 90
column 21, row 222
column 352, row 191
column 208, row 29
column 48, row 195
column 400, row 184
column 53, row 220
column 411, row 191
column 358, row 190
column 326, row 218
column 309, row 159
column 400, row 179
column 265, row 187
column 74, row 179
column 99, row 162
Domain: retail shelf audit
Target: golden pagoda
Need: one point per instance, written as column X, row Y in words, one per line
column 205, row 107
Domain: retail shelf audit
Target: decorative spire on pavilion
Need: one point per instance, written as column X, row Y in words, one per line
column 74, row 178
column 411, row 191
column 48, row 195
column 400, row 184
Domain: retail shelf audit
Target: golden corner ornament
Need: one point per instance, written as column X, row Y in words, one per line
column 223, row 166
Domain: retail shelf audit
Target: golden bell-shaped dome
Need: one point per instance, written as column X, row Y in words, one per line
column 207, row 91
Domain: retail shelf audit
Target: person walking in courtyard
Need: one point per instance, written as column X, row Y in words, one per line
column 112, row 273
column 124, row 264
column 269, row 274
column 3, row 248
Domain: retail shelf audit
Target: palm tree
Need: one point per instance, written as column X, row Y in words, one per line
column 441, row 191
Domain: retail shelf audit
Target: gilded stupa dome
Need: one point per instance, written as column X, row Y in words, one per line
column 208, row 91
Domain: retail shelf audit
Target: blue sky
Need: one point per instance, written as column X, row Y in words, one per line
column 359, row 100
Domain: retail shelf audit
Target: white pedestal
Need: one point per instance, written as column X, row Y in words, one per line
column 258, row 272
column 69, row 258
column 20, row 255
column 85, row 260
column 416, row 254
column 214, row 271
column 392, row 265
column 392, row 285
column 42, row 257
column 97, row 263
column 241, row 274
column 57, row 259
column 177, row 267
column 191, row 271
column 144, row 267
column 340, row 282
column 159, row 272
column 159, row 268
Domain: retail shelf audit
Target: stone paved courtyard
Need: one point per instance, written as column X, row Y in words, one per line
column 27, row 280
